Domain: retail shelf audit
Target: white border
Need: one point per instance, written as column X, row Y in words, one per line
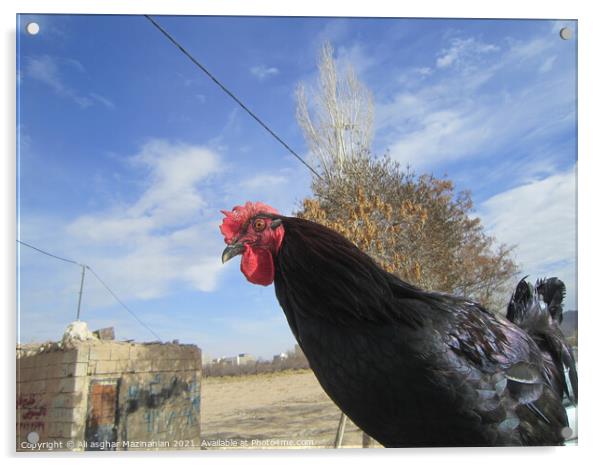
column 589, row 192
column 424, row 8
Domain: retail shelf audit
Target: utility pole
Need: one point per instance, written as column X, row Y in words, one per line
column 81, row 290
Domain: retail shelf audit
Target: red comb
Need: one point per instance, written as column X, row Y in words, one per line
column 234, row 221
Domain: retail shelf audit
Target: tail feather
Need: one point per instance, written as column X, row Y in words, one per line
column 522, row 305
column 538, row 311
column 553, row 291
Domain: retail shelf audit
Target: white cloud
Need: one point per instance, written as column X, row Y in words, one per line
column 262, row 72
column 103, row 100
column 171, row 197
column 442, row 135
column 547, row 64
column 46, row 69
column 228, row 132
column 264, row 180
column 282, row 189
column 525, row 50
column 462, row 51
column 74, row 64
column 451, row 117
column 540, row 218
column 334, row 31
column 356, row 56
column 167, row 234
column 174, row 171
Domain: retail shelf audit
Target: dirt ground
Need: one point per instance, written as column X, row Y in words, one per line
column 280, row 410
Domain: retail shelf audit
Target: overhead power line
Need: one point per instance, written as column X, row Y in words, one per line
column 122, row 303
column 84, row 266
column 47, row 253
column 230, row 93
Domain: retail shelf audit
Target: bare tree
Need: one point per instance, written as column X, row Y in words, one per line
column 337, row 120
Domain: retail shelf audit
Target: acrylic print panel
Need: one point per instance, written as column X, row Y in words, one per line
column 373, row 162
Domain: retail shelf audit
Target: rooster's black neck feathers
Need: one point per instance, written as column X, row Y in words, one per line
column 319, row 267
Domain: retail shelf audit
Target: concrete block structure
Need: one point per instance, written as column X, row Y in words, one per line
column 108, row 395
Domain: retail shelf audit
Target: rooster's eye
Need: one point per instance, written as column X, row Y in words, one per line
column 259, row 224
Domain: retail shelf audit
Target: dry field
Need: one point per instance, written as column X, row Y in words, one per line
column 279, row 410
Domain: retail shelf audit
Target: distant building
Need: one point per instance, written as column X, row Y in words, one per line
column 246, row 358
column 280, row 357
column 229, row 361
column 239, row 360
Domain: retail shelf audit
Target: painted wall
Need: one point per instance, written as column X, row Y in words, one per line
column 109, row 396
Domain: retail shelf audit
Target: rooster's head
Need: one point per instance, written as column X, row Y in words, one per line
column 254, row 230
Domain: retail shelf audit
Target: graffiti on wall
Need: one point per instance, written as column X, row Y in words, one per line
column 33, row 412
column 154, row 398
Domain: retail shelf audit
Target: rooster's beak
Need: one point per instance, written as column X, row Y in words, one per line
column 232, row 250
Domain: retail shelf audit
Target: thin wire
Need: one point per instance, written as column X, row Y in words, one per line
column 100, row 280
column 47, row 253
column 227, row 91
column 122, row 303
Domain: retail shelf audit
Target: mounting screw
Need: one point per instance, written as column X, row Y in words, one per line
column 32, row 28
column 566, row 33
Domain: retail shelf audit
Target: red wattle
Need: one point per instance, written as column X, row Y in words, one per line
column 257, row 265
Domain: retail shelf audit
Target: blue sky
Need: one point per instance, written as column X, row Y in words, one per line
column 127, row 153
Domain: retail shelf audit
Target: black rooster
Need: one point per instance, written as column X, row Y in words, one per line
column 410, row 367
column 538, row 311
